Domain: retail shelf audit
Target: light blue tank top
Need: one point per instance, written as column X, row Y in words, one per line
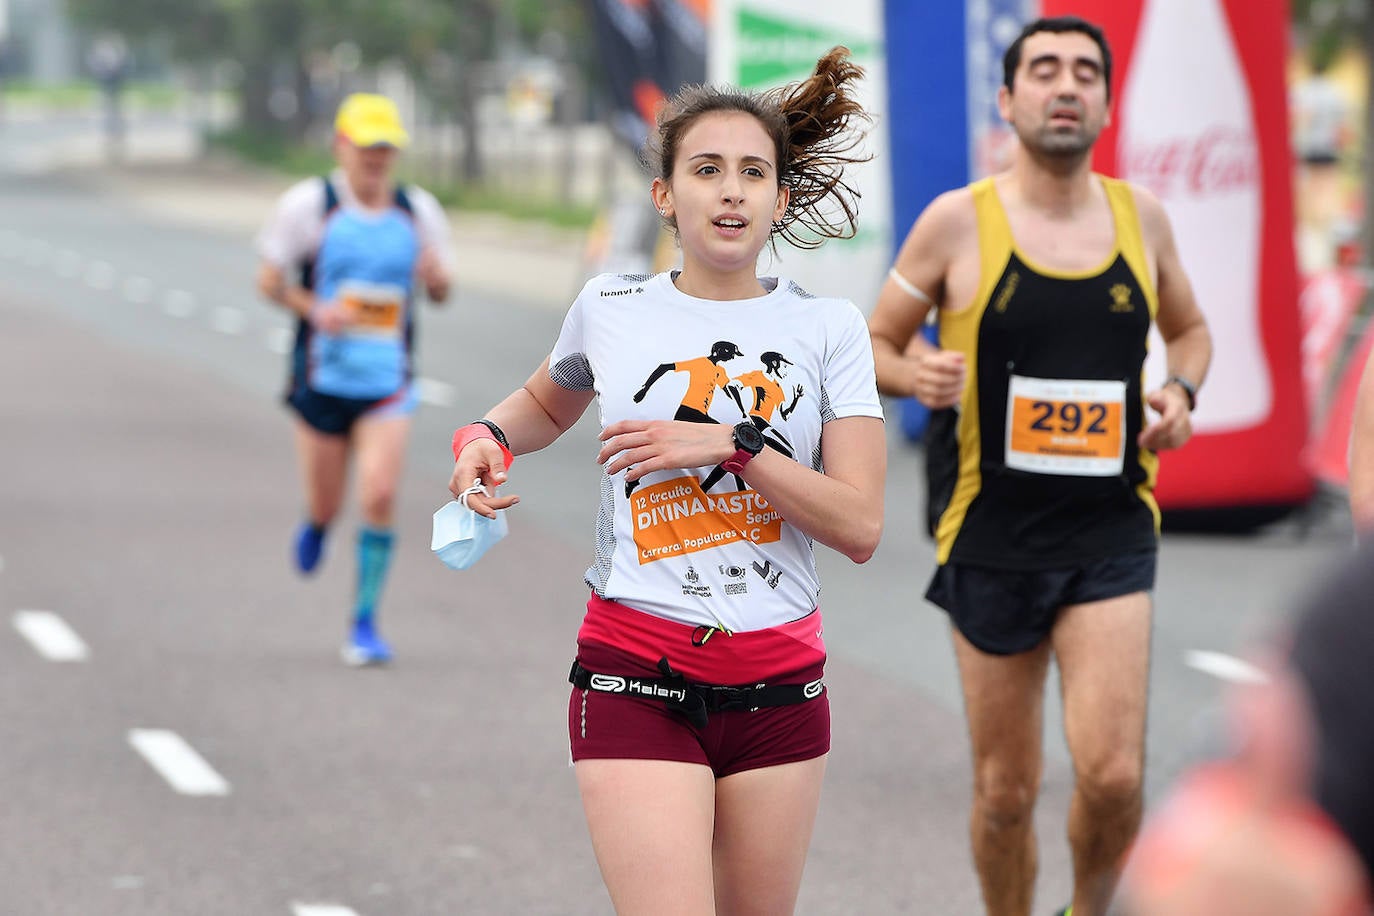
column 366, row 261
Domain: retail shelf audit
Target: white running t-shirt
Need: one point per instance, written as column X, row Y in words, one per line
column 690, row 545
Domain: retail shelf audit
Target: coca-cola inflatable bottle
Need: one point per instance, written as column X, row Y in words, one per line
column 1188, row 135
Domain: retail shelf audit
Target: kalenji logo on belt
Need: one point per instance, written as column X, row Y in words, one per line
column 648, row 689
column 608, row 682
column 813, row 689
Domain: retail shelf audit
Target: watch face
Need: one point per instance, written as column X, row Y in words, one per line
column 748, row 437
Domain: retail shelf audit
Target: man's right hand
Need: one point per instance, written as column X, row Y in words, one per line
column 938, row 378
column 329, row 317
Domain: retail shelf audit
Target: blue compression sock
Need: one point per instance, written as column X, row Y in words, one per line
column 374, row 557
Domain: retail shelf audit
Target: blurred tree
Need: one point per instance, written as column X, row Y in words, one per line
column 445, row 45
column 1325, row 27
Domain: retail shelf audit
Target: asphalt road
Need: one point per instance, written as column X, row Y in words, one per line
column 149, row 491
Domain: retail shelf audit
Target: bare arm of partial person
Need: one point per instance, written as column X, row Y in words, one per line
column 842, row 508
column 1187, row 342
column 907, row 364
column 532, row 417
column 1362, row 453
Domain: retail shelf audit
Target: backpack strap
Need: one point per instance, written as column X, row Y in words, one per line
column 402, row 201
column 331, row 203
column 331, row 196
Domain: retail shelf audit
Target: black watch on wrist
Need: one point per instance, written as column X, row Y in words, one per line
column 1189, row 389
column 748, row 443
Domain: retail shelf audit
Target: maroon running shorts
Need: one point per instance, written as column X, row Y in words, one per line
column 615, row 726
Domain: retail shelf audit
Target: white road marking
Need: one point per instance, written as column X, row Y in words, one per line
column 178, row 303
column 177, row 762
column 100, row 275
column 1224, row 667
column 280, row 340
column 433, row 391
column 137, row 290
column 66, row 263
column 228, row 320
column 36, row 252
column 321, row 909
column 127, row 882
column 50, row 636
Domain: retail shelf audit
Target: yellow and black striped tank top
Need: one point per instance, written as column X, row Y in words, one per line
column 1038, row 466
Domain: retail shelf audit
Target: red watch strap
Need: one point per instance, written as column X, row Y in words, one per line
column 736, row 462
column 465, row 434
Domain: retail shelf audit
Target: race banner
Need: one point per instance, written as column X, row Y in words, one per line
column 759, row 44
column 626, row 45
column 680, row 29
column 649, row 49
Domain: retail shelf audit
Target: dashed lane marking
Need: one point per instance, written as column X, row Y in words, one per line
column 137, row 290
column 228, row 320
column 50, row 636
column 36, row 252
column 321, row 909
column 280, row 340
column 66, row 263
column 100, row 275
column 177, row 762
column 1225, row 667
column 178, row 303
column 433, row 391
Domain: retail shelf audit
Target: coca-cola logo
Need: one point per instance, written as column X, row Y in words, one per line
column 1218, row 160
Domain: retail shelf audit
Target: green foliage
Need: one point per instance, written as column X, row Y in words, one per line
column 1325, row 27
column 84, row 95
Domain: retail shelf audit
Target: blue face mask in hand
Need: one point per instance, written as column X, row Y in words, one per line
column 461, row 536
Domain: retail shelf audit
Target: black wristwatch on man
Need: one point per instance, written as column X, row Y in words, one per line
column 1189, row 389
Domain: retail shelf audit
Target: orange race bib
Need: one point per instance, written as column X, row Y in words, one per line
column 1066, row 426
column 677, row 517
column 374, row 309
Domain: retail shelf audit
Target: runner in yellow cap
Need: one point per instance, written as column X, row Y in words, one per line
column 346, row 253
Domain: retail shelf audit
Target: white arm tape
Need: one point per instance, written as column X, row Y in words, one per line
column 911, row 289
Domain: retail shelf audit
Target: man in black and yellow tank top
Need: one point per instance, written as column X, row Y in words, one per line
column 1042, row 454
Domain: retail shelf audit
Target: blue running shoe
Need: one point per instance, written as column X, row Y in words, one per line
column 309, row 546
column 365, row 647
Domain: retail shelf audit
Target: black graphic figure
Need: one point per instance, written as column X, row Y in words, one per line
column 704, row 376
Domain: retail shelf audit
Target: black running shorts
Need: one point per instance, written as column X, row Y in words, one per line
column 1004, row 611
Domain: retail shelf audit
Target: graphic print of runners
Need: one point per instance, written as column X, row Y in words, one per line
column 704, row 376
column 767, row 396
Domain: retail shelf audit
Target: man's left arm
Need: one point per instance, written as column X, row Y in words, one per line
column 1187, row 342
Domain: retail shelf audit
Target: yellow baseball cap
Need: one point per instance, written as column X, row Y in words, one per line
column 367, row 119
